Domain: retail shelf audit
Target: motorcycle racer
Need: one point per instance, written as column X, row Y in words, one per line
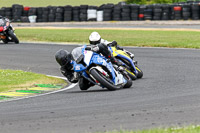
column 65, row 60
column 95, row 39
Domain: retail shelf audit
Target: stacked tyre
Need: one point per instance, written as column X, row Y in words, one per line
column 134, row 11
column 92, row 13
column 59, row 14
column 32, row 11
column 24, row 17
column 8, row 12
column 141, row 12
column 117, row 9
column 45, row 15
column 148, row 12
column 100, row 13
column 2, row 11
column 52, row 14
column 17, row 12
column 39, row 14
column 75, row 13
column 177, row 12
column 25, row 11
column 186, row 11
column 68, row 13
column 126, row 11
column 195, row 11
column 107, row 12
column 157, row 12
column 83, row 12
column 165, row 12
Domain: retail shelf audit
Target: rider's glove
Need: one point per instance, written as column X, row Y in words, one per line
column 93, row 48
column 130, row 54
column 115, row 61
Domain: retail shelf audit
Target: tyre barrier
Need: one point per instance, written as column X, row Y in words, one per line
column 107, row 12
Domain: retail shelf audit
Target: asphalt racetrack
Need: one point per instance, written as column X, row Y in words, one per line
column 167, row 95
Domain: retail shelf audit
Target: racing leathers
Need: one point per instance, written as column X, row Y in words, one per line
column 101, row 48
column 74, row 77
column 114, row 43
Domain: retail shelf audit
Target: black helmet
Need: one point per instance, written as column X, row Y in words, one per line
column 63, row 57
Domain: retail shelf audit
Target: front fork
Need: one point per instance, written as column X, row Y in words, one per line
column 132, row 63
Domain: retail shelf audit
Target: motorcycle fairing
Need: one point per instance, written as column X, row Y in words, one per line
column 122, row 54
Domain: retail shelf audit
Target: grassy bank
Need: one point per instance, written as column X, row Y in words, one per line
column 12, row 80
column 147, row 38
column 43, row 3
column 188, row 129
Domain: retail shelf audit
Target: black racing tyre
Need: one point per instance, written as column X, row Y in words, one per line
column 5, row 41
column 13, row 37
column 131, row 74
column 103, row 80
column 140, row 73
column 129, row 81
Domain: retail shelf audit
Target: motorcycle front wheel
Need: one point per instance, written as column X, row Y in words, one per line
column 13, row 36
column 103, row 80
column 131, row 74
column 5, row 41
column 129, row 81
column 140, row 73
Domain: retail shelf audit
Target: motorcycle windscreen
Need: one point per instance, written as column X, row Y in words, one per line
column 77, row 54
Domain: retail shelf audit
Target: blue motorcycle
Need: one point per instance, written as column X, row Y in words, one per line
column 99, row 70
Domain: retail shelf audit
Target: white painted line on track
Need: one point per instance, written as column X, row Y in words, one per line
column 52, row 92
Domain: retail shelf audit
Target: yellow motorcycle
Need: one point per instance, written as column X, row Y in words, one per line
column 129, row 65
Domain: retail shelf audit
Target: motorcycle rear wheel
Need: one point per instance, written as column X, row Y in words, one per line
column 103, row 80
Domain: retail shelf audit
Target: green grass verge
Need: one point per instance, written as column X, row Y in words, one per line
column 188, row 129
column 17, row 79
column 43, row 3
column 141, row 38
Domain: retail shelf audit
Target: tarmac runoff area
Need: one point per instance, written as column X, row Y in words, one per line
column 193, row 25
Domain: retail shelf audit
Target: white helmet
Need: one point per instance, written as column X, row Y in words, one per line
column 94, row 38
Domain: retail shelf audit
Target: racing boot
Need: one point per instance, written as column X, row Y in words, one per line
column 115, row 61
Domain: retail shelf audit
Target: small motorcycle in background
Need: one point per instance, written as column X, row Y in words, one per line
column 7, row 31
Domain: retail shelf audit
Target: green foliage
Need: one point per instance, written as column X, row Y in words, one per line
column 136, row 1
column 161, row 1
column 153, row 1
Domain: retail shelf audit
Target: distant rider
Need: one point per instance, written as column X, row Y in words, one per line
column 95, row 39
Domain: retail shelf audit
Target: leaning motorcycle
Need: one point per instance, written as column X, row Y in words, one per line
column 7, row 32
column 130, row 65
column 99, row 70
